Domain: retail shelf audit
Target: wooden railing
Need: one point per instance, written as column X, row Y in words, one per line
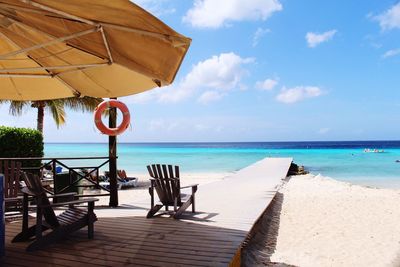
column 76, row 173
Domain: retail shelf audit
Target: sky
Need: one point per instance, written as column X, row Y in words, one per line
column 265, row 70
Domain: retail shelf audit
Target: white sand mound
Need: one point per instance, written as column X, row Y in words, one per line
column 325, row 222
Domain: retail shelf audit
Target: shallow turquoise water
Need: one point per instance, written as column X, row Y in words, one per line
column 342, row 161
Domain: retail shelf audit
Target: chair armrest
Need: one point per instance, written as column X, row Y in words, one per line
column 88, row 200
column 188, row 186
column 25, row 190
column 62, row 195
column 13, row 199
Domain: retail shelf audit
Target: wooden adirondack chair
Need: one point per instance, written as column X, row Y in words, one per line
column 12, row 175
column 70, row 220
column 167, row 185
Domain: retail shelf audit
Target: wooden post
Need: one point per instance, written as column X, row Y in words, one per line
column 112, row 153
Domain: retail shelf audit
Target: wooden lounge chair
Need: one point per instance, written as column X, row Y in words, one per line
column 12, row 175
column 123, row 180
column 165, row 180
column 72, row 219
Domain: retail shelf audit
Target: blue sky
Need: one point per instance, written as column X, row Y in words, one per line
column 266, row 70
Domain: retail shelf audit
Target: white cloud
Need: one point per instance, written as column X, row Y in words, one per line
column 267, row 84
column 314, row 39
column 156, row 7
column 260, row 32
column 324, row 130
column 217, row 13
column 141, row 98
column 390, row 19
column 298, row 93
column 220, row 73
column 391, row 53
column 201, row 127
column 157, row 125
column 210, row 96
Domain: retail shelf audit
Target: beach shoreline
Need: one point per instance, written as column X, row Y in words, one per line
column 325, row 222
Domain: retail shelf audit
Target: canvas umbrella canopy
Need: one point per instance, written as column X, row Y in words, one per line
column 55, row 49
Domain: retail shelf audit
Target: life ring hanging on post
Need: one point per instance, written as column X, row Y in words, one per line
column 126, row 117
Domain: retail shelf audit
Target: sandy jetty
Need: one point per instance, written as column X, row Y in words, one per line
column 324, row 222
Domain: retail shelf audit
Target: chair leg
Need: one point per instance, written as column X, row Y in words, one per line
column 90, row 230
column 154, row 210
column 27, row 234
column 182, row 208
column 194, row 190
column 151, row 192
column 91, row 220
column 38, row 223
column 193, row 206
column 25, row 218
column 175, row 204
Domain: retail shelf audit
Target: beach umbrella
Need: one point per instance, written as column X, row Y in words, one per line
column 53, row 49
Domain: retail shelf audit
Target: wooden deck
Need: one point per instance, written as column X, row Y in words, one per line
column 212, row 237
column 133, row 241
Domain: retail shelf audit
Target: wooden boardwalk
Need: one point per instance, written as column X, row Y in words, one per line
column 227, row 211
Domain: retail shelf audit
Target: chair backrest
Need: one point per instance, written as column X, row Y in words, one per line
column 12, row 173
column 167, row 182
column 36, row 189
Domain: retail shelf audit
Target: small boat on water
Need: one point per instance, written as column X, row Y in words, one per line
column 367, row 150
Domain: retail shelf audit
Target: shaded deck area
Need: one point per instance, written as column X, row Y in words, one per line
column 213, row 236
column 133, row 241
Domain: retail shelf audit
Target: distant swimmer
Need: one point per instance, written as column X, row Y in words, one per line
column 397, row 160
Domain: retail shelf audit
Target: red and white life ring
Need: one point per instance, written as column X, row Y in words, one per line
column 115, row 104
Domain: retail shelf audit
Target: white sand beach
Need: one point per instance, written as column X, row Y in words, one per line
column 324, row 222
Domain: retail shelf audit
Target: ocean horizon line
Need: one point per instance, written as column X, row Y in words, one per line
column 226, row 142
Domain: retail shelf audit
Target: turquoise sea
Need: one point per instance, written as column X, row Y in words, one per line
column 344, row 161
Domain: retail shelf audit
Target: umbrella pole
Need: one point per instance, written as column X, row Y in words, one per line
column 112, row 154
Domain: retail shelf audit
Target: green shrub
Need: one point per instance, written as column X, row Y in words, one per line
column 21, row 143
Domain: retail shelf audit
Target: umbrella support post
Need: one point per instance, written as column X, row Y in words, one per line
column 112, row 153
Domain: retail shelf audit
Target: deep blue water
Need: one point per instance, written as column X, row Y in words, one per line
column 340, row 160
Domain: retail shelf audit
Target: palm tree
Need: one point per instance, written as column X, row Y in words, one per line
column 56, row 107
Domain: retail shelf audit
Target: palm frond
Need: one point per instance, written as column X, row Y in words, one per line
column 85, row 104
column 56, row 108
column 16, row 107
